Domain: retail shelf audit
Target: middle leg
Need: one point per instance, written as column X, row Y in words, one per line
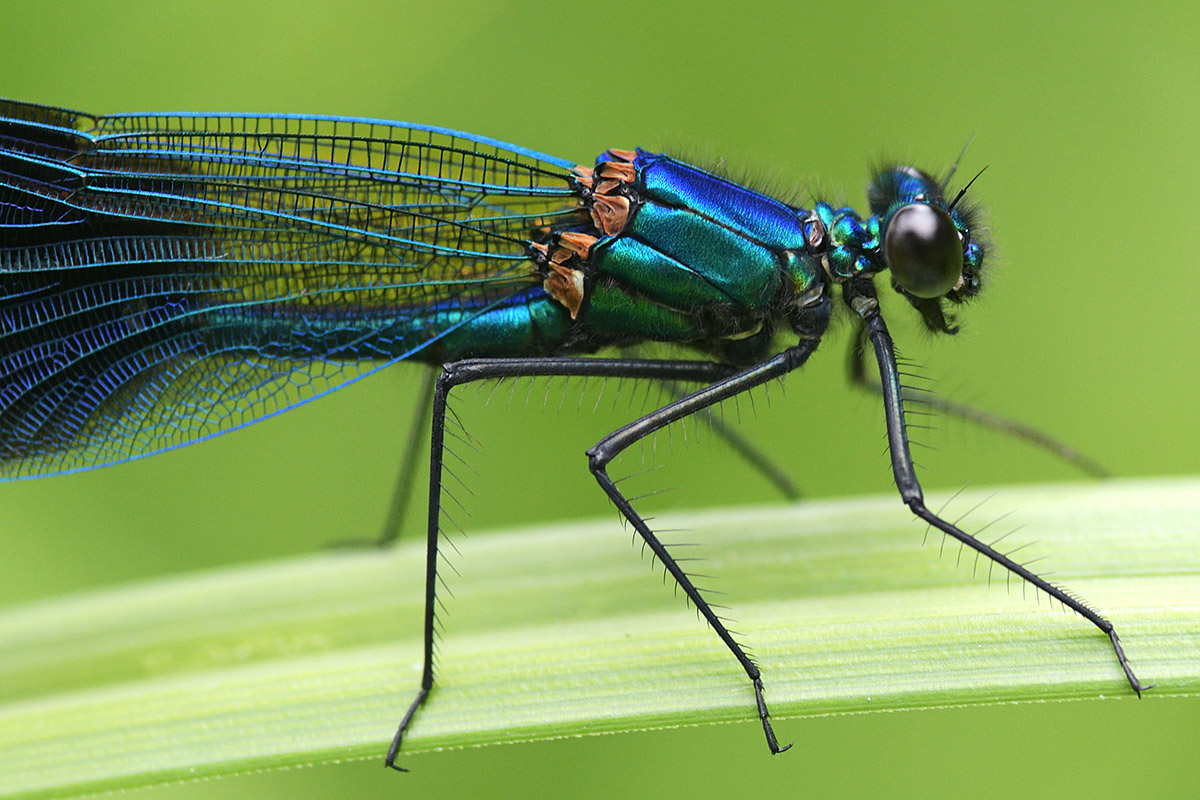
column 613, row 444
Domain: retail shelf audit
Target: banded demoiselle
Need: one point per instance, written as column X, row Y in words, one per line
column 168, row 277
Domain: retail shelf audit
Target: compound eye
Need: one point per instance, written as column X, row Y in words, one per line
column 923, row 250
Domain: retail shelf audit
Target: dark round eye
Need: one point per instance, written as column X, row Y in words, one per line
column 923, row 250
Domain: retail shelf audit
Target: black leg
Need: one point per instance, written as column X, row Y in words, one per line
column 470, row 370
column 910, row 489
column 858, row 377
column 610, row 446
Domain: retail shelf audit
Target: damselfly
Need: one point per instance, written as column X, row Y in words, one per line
column 168, row 277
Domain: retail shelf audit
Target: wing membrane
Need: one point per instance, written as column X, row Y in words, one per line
column 164, row 278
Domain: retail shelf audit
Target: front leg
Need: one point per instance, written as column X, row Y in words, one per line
column 910, row 489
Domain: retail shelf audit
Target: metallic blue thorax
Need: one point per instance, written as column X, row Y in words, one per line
column 696, row 239
column 671, row 252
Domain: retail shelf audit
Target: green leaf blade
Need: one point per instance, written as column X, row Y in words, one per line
column 561, row 631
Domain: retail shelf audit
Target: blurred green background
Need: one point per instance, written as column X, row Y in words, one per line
column 1087, row 120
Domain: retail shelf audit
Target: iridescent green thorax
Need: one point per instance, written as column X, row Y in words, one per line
column 671, row 252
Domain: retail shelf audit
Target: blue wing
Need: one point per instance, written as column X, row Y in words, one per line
column 166, row 278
